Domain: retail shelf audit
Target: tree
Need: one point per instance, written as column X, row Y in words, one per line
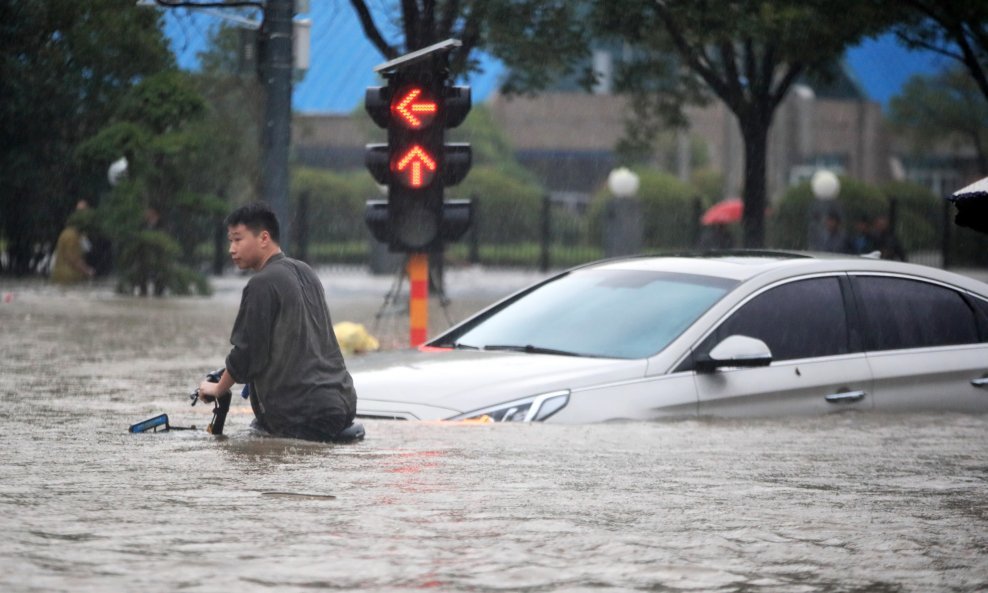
column 956, row 29
column 747, row 53
column 162, row 129
column 539, row 39
column 946, row 106
column 64, row 66
column 236, row 100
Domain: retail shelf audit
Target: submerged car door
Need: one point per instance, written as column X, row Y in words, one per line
column 926, row 343
column 817, row 365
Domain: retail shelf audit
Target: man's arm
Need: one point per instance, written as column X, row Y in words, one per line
column 209, row 389
column 251, row 335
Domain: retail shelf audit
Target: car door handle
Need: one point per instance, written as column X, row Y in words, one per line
column 982, row 382
column 845, row 397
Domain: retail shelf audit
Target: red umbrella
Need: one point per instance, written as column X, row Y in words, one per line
column 723, row 212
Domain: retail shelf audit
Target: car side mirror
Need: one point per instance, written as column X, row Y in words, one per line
column 735, row 351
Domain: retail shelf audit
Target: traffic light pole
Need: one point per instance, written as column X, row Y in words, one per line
column 276, row 78
column 416, row 165
column 418, row 298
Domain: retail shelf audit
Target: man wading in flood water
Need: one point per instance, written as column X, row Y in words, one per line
column 284, row 347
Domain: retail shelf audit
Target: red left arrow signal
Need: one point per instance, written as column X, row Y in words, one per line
column 413, row 110
column 417, row 167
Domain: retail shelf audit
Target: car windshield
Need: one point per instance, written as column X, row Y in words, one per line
column 601, row 313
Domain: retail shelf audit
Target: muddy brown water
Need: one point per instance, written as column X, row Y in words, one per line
column 842, row 503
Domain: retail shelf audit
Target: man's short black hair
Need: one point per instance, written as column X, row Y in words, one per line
column 257, row 217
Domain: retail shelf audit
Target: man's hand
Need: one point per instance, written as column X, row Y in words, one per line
column 207, row 389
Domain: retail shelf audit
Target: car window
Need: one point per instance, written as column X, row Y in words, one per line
column 801, row 319
column 607, row 313
column 902, row 313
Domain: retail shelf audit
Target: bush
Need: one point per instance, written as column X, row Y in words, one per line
column 336, row 203
column 507, row 209
column 789, row 224
column 669, row 211
column 919, row 212
column 709, row 185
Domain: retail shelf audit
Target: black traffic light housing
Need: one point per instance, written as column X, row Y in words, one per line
column 416, row 107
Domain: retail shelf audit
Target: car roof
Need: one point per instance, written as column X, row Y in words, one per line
column 737, row 265
column 743, row 265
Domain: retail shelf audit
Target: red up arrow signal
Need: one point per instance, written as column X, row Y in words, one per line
column 417, row 167
column 412, row 112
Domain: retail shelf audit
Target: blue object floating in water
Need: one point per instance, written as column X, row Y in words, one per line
column 151, row 424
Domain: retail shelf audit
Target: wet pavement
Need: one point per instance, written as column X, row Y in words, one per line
column 852, row 502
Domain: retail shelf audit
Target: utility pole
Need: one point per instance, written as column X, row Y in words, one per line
column 276, row 78
column 275, row 70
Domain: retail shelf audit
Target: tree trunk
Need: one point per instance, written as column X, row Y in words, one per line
column 754, row 131
column 19, row 248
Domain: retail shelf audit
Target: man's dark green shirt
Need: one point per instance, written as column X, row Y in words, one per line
column 284, row 347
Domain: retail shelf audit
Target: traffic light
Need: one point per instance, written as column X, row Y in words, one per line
column 416, row 164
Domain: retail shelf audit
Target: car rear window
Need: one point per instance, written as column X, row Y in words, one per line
column 902, row 313
column 982, row 306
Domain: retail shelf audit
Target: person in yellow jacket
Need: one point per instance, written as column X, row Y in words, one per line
column 70, row 265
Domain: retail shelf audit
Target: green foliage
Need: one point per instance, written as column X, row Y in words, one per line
column 506, row 208
column 507, row 196
column 335, row 203
column 790, row 223
column 235, row 107
column 112, row 142
column 160, row 130
column 709, row 185
column 64, row 66
column 952, row 29
column 748, row 53
column 488, row 143
column 944, row 107
column 669, row 210
column 163, row 102
column 541, row 41
column 87, row 221
column 918, row 212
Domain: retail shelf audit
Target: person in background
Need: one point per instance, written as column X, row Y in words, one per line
column 833, row 239
column 885, row 240
column 70, row 265
column 861, row 241
column 150, row 277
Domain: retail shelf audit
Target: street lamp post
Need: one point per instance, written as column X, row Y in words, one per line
column 826, row 187
column 623, row 227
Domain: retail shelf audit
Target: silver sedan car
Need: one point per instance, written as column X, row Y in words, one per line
column 742, row 334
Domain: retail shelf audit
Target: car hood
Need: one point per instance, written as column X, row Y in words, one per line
column 445, row 383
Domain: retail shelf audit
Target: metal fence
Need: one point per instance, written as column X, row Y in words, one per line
column 570, row 233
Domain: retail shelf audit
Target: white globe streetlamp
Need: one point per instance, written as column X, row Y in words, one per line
column 825, row 185
column 623, row 182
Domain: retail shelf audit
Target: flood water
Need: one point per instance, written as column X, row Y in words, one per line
column 842, row 503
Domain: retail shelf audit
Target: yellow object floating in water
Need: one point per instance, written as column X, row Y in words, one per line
column 354, row 338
